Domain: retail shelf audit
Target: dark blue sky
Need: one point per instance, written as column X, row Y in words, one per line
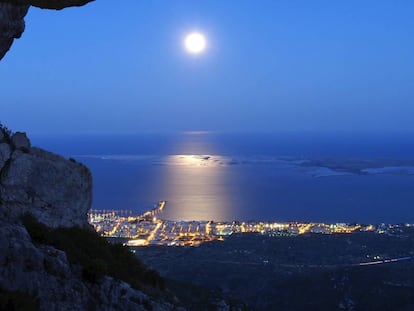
column 120, row 67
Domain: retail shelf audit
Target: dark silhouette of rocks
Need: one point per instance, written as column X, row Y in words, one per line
column 12, row 13
column 11, row 24
column 50, row 4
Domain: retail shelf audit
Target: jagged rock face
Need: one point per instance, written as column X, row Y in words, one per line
column 11, row 24
column 58, row 192
column 56, row 284
column 12, row 13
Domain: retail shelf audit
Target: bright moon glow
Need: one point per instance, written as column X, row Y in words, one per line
column 195, row 42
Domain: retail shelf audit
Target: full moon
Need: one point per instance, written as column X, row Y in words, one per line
column 195, row 42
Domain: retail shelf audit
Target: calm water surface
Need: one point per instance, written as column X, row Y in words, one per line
column 244, row 177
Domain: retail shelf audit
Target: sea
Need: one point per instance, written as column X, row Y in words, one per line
column 249, row 176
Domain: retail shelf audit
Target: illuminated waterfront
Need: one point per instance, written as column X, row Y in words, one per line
column 149, row 229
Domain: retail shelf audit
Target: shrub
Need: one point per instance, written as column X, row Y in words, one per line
column 96, row 255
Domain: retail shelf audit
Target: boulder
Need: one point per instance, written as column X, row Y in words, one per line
column 20, row 141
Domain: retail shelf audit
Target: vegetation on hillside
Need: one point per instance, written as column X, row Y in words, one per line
column 97, row 256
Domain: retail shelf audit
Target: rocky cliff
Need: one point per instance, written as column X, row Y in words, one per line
column 56, row 191
column 57, row 194
column 12, row 13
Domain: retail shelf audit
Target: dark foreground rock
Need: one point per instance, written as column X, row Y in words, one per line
column 11, row 24
column 56, row 193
